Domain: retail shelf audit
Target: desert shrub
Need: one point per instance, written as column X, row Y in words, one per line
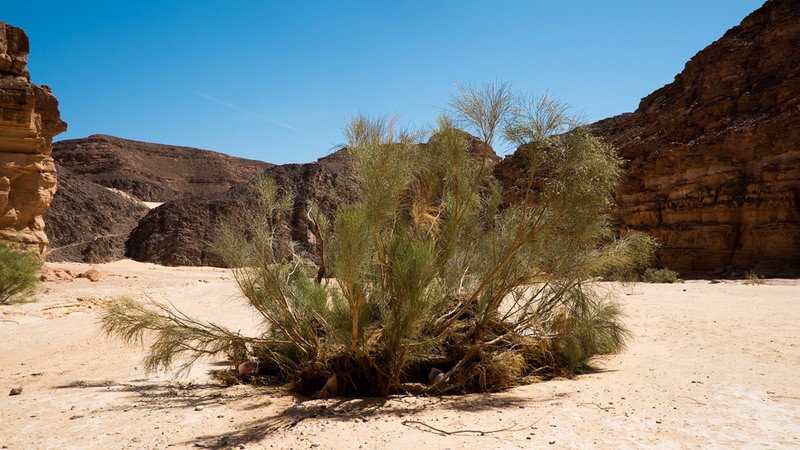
column 753, row 279
column 664, row 275
column 18, row 278
column 440, row 283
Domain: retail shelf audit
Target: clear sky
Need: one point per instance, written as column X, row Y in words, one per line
column 277, row 81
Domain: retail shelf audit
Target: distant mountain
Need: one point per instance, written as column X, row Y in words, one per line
column 176, row 232
column 153, row 172
column 102, row 181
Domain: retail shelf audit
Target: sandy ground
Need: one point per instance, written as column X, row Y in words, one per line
column 712, row 366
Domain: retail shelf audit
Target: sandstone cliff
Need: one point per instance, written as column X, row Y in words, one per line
column 153, row 172
column 713, row 158
column 29, row 119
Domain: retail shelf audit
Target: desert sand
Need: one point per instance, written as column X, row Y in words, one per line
column 712, row 365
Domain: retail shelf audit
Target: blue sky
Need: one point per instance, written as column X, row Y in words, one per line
column 277, row 81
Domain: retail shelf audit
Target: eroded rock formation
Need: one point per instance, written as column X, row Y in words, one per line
column 713, row 158
column 104, row 179
column 177, row 232
column 29, row 119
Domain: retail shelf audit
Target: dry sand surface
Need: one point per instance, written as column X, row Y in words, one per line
column 712, row 365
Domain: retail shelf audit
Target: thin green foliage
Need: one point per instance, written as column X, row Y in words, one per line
column 18, row 277
column 436, row 267
column 753, row 279
column 665, row 275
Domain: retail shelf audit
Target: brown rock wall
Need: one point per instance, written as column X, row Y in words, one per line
column 29, row 119
column 713, row 166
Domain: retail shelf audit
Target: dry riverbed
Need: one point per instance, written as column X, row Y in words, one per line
column 712, row 365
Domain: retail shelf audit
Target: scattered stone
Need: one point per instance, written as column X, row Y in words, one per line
column 249, row 367
column 16, row 391
column 435, row 372
column 92, row 275
column 201, row 444
column 52, row 274
column 199, row 408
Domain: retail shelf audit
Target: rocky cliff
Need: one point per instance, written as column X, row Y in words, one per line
column 713, row 158
column 176, row 233
column 29, row 119
column 153, row 172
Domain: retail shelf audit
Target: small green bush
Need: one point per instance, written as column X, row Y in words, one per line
column 438, row 279
column 664, row 275
column 754, row 279
column 18, row 278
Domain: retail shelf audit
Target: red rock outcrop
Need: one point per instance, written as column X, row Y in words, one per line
column 714, row 169
column 29, row 119
column 713, row 158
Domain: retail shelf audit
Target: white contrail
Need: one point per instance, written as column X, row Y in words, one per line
column 249, row 112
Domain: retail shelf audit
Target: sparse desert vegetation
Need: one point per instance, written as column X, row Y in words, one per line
column 436, row 281
column 665, row 275
column 18, row 277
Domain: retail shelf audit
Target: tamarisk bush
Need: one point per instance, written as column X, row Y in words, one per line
column 436, row 281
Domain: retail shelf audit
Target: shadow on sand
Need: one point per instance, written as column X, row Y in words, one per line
column 164, row 396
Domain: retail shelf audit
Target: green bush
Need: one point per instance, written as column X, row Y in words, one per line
column 664, row 275
column 441, row 282
column 753, row 279
column 18, row 278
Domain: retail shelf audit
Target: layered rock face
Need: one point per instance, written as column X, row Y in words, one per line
column 29, row 119
column 713, row 158
column 153, row 172
column 714, row 169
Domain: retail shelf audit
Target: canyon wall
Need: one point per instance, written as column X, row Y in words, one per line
column 29, row 119
column 714, row 157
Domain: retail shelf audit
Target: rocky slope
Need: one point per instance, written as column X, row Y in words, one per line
column 177, row 232
column 105, row 179
column 153, row 172
column 713, row 165
column 29, row 119
column 88, row 222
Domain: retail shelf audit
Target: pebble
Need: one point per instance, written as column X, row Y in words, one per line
column 15, row 391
